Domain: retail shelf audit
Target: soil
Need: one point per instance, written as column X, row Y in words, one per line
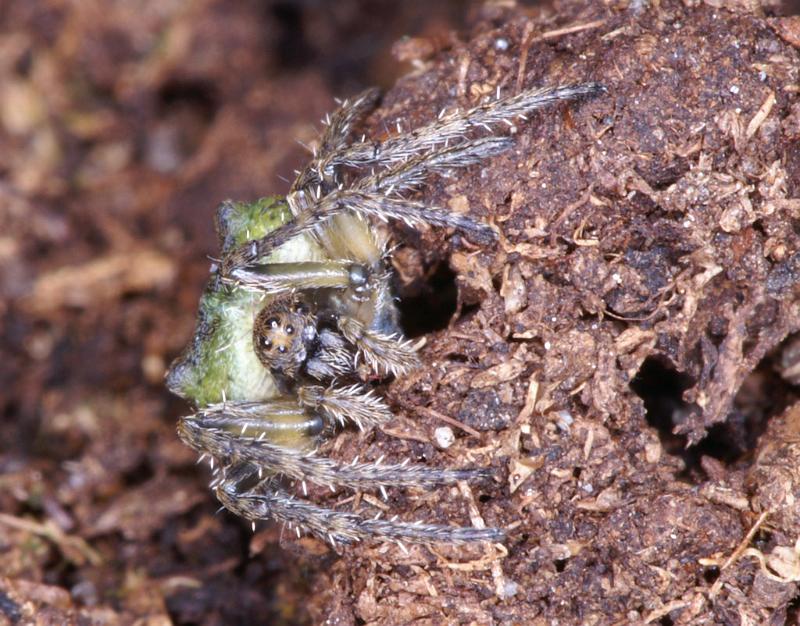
column 623, row 359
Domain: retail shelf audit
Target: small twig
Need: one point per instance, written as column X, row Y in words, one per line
column 477, row 521
column 446, row 418
column 528, row 39
column 568, row 30
column 761, row 115
column 737, row 553
column 523, row 55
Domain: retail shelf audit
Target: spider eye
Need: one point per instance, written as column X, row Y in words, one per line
column 266, row 343
column 301, row 308
column 272, row 322
column 290, row 330
column 281, row 349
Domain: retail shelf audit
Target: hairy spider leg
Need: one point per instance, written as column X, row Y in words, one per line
column 454, row 127
column 255, row 442
column 353, row 404
column 338, row 128
column 383, row 353
column 217, row 431
column 413, row 156
column 339, row 527
column 280, row 278
column 281, row 421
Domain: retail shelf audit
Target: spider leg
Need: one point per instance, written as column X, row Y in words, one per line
column 339, row 125
column 338, row 526
column 311, row 207
column 411, row 173
column 363, row 203
column 374, row 195
column 276, row 278
column 281, row 422
column 414, row 214
column 217, row 431
column 454, row 126
column 333, row 358
column 382, row 190
column 252, row 251
column 345, row 404
column 383, row 354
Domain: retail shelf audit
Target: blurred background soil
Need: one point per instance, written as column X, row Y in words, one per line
column 643, row 298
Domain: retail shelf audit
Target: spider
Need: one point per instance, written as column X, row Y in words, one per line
column 299, row 319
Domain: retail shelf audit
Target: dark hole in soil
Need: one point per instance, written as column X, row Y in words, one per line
column 432, row 306
column 666, row 621
column 560, row 564
column 710, row 574
column 467, row 310
column 762, row 395
column 661, row 388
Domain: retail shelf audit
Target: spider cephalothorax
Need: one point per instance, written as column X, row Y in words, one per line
column 299, row 317
column 283, row 334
